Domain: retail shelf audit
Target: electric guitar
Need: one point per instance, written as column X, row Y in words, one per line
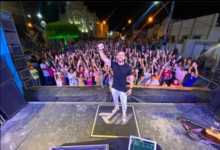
column 212, row 133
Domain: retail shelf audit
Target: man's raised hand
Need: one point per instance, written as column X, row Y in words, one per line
column 101, row 46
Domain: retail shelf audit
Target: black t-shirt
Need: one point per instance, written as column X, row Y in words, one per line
column 120, row 73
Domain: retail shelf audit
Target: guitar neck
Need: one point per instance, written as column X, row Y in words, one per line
column 201, row 125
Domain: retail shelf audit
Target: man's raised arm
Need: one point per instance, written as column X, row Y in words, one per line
column 102, row 55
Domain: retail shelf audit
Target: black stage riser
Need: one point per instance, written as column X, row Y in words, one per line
column 214, row 104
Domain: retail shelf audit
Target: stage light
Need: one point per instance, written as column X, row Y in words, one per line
column 39, row 15
column 30, row 25
column 156, row 2
column 150, row 19
column 29, row 16
column 129, row 21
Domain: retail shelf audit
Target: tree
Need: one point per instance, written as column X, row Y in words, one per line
column 60, row 29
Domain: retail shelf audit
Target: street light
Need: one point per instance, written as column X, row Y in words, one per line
column 29, row 16
column 39, row 15
column 150, row 19
column 30, row 25
column 129, row 21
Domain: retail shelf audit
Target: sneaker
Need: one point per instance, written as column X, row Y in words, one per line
column 115, row 109
column 124, row 118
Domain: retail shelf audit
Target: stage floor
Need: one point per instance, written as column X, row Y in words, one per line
column 43, row 125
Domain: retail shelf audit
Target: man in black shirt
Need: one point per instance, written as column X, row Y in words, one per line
column 120, row 73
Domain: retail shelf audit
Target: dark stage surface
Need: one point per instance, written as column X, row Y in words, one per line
column 43, row 125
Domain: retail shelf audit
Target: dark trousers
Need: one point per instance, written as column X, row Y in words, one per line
column 52, row 81
column 66, row 80
column 47, row 80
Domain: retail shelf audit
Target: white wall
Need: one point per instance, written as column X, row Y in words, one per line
column 189, row 47
column 179, row 47
column 214, row 34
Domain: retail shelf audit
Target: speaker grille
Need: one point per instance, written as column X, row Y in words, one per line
column 20, row 62
column 8, row 25
column 11, row 101
column 28, row 83
column 12, row 38
column 25, row 73
column 16, row 51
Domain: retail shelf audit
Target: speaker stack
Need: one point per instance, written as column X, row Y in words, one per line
column 11, row 99
column 214, row 105
column 15, row 49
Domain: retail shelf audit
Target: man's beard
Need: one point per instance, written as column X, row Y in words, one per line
column 120, row 61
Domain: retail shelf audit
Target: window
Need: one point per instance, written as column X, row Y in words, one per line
column 196, row 37
column 184, row 37
column 172, row 39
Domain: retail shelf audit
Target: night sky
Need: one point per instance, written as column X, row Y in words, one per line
column 118, row 13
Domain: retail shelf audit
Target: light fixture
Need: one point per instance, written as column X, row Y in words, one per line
column 29, row 16
column 104, row 22
column 30, row 25
column 39, row 15
column 123, row 28
column 129, row 21
column 150, row 19
column 156, row 2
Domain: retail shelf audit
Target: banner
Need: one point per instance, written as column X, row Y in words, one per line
column 180, row 75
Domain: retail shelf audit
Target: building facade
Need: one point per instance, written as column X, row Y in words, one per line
column 190, row 36
column 204, row 28
column 88, row 23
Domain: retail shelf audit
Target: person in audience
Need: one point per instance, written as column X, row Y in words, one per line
column 85, row 60
column 89, row 79
column 210, row 63
column 45, row 72
column 193, row 76
column 72, row 77
column 81, row 80
column 167, row 75
column 176, row 83
column 101, row 78
column 35, row 76
column 152, row 81
column 58, row 79
column 65, row 74
column 51, row 71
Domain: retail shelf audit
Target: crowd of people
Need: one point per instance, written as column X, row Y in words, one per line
column 80, row 64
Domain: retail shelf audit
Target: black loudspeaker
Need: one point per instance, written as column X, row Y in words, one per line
column 15, row 48
column 212, row 85
column 20, row 62
column 16, row 51
column 25, row 74
column 218, row 66
column 5, row 74
column 28, row 83
column 11, row 100
column 216, row 76
column 214, row 105
column 12, row 38
column 8, row 24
